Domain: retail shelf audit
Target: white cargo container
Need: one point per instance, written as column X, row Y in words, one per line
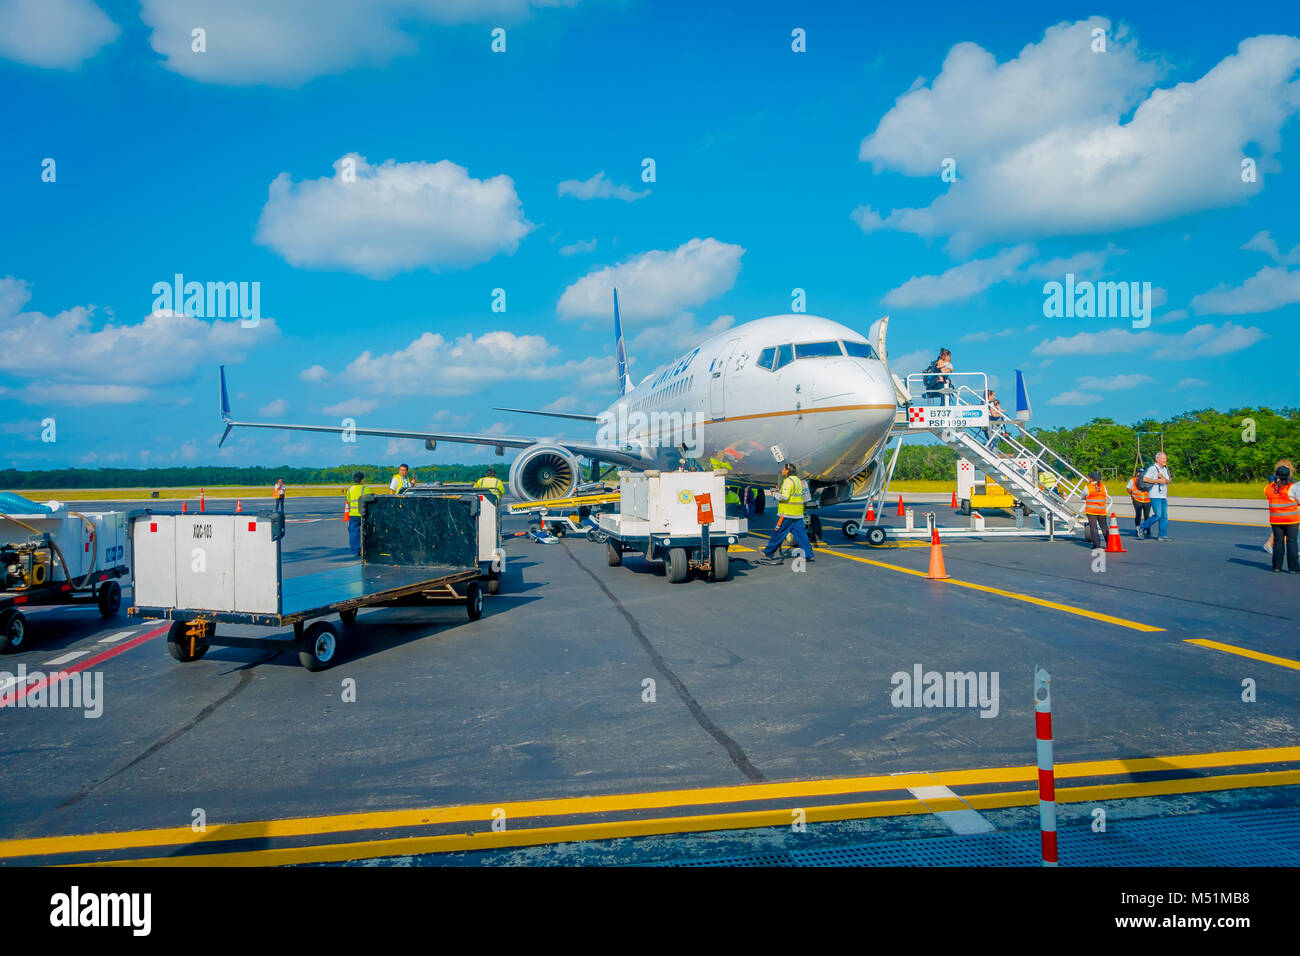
column 675, row 516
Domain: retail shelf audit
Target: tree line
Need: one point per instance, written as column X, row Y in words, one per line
column 1206, row 445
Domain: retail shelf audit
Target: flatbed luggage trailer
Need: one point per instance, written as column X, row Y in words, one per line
column 201, row 570
column 491, row 553
column 676, row 517
column 60, row 557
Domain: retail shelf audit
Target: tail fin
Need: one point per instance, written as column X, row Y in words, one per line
column 1023, row 410
column 225, row 405
column 620, row 353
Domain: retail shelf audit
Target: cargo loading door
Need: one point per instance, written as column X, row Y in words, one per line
column 717, row 380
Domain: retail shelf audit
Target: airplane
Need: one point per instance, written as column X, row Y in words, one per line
column 794, row 387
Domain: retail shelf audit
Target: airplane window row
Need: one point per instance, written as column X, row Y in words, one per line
column 779, row 356
column 655, row 398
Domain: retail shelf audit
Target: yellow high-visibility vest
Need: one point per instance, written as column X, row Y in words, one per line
column 354, row 499
column 792, row 507
column 491, row 484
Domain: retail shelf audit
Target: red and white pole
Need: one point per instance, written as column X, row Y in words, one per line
column 202, row 506
column 1046, row 774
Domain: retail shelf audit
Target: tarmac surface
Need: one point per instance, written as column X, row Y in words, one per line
column 602, row 702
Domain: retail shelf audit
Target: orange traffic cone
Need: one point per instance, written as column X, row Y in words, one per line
column 347, row 507
column 185, row 507
column 937, row 571
column 871, row 512
column 1113, row 544
column 954, row 500
column 901, row 512
column 239, row 506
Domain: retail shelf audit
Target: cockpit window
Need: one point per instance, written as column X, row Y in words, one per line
column 784, row 356
column 860, row 350
column 766, row 356
column 816, row 349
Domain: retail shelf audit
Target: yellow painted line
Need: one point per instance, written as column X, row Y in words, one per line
column 1245, row 652
column 1027, row 598
column 488, row 840
column 661, row 799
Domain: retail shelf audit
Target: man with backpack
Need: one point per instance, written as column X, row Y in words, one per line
column 937, row 382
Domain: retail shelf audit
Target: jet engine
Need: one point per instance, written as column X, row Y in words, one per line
column 542, row 472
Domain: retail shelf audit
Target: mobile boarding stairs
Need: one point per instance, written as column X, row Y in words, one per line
column 1048, row 488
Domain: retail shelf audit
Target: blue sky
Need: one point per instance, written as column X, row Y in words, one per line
column 477, row 170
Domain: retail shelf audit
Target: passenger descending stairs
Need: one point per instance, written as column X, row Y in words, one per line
column 1017, row 472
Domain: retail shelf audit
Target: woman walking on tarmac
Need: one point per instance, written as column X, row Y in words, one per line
column 1284, row 516
column 1141, row 498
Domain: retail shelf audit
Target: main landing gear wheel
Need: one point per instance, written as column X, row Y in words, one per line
column 613, row 554
column 13, row 631
column 850, row 529
column 181, row 646
column 110, row 598
column 721, row 563
column 876, row 536
column 676, row 565
column 474, row 601
column 815, row 529
column 965, row 506
column 760, row 502
column 319, row 647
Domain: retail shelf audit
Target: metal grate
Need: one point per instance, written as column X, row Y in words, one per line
column 1244, row 838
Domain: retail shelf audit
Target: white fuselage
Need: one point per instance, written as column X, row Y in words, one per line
column 741, row 400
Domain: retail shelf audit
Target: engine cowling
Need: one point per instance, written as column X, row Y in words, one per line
column 544, row 472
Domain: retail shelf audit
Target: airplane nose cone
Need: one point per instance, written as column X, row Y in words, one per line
column 856, row 404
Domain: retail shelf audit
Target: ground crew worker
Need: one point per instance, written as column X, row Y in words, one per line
column 278, row 491
column 400, row 480
column 354, row 494
column 490, row 482
column 1096, row 504
column 1141, row 501
column 1284, row 516
column 789, row 512
column 1268, row 540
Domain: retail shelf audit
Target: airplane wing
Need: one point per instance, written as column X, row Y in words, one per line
column 610, row 454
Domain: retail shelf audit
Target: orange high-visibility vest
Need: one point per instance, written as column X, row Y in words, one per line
column 1282, row 508
column 1141, row 497
column 1095, row 504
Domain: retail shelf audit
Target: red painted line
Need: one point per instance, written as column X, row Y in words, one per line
column 1043, row 724
column 89, row 662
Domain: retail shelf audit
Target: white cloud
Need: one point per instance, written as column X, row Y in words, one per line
column 582, row 245
column 1075, row 397
column 1084, row 265
column 1200, row 341
column 1192, row 383
column 960, row 282
column 76, row 363
column 351, row 407
column 598, row 187
column 1263, row 242
column 1272, row 287
column 394, row 217
column 1114, row 383
column 1173, row 315
column 1042, row 146
column 985, row 336
column 288, row 42
column 190, row 451
column 655, row 284
column 316, row 373
column 53, row 33
column 433, row 365
column 678, row 334
column 274, row 409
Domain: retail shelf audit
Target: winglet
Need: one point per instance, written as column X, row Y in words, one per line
column 1023, row 409
column 225, row 405
column 620, row 353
